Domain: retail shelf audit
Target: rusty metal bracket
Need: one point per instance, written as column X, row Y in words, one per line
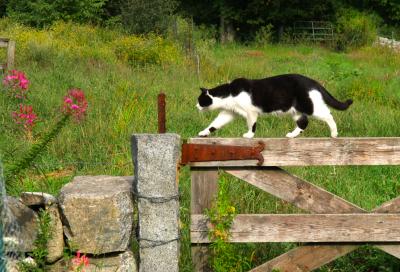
column 214, row 152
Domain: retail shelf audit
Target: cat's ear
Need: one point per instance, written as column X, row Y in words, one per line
column 203, row 90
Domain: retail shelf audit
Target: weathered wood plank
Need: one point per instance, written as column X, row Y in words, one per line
column 391, row 206
column 312, row 151
column 3, row 43
column 310, row 257
column 204, row 189
column 305, row 258
column 305, row 228
column 294, row 190
column 10, row 55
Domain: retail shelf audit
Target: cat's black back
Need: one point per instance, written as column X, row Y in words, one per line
column 279, row 93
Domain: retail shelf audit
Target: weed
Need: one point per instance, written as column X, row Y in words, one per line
column 39, row 252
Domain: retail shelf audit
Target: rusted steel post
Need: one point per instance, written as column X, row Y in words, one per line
column 161, row 113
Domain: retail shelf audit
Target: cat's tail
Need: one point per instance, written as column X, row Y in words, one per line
column 333, row 102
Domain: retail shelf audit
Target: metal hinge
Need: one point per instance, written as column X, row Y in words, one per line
column 214, row 152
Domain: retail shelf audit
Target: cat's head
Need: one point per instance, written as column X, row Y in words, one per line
column 206, row 101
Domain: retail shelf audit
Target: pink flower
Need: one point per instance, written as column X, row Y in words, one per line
column 25, row 117
column 17, row 83
column 79, row 261
column 75, row 104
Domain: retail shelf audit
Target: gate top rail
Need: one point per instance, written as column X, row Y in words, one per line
column 310, row 151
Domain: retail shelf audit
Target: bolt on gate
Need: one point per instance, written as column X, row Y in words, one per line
column 333, row 227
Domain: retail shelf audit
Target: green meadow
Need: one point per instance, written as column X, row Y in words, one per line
column 122, row 87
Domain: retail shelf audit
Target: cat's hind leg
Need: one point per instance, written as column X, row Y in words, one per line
column 223, row 118
column 302, row 122
column 328, row 118
column 251, row 119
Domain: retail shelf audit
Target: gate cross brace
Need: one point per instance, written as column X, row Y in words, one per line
column 314, row 199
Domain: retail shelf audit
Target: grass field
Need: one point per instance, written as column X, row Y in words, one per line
column 122, row 100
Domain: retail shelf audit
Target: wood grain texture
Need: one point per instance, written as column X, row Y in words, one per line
column 259, row 228
column 305, row 258
column 10, row 55
column 294, row 190
column 204, row 189
column 3, row 43
column 310, row 257
column 312, row 151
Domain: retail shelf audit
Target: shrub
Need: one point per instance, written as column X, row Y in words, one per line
column 140, row 50
column 263, row 35
column 144, row 16
column 355, row 29
column 72, row 42
column 42, row 13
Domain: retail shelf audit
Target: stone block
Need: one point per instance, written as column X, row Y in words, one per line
column 20, row 225
column 55, row 245
column 97, row 213
column 37, row 199
column 119, row 262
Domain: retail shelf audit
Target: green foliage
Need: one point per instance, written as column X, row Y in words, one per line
column 355, row 29
column 70, row 42
column 364, row 259
column 263, row 35
column 43, row 13
column 140, row 50
column 143, row 16
column 224, row 257
column 123, row 100
column 40, row 251
column 35, row 150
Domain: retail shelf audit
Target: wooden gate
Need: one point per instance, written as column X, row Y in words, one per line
column 10, row 45
column 334, row 226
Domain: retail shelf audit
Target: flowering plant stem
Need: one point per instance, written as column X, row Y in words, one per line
column 36, row 149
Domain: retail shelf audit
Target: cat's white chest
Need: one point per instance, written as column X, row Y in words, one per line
column 242, row 104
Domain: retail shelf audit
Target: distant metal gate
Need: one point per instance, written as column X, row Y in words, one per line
column 317, row 31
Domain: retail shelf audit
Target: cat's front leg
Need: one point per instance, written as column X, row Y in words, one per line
column 223, row 118
column 251, row 119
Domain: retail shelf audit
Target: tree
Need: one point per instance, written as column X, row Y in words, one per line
column 247, row 17
column 144, row 16
column 42, row 13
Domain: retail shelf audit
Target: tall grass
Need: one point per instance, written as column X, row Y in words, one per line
column 122, row 100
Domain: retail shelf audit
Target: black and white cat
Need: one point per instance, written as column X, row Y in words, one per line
column 293, row 94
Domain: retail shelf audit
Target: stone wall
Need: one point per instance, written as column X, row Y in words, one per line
column 95, row 215
column 92, row 214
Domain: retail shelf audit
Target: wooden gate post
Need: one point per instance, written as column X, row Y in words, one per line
column 204, row 189
column 155, row 159
column 10, row 55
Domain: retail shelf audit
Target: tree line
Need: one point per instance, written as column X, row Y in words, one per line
column 240, row 18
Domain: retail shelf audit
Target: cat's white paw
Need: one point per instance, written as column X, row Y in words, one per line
column 204, row 133
column 334, row 134
column 291, row 135
column 248, row 135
